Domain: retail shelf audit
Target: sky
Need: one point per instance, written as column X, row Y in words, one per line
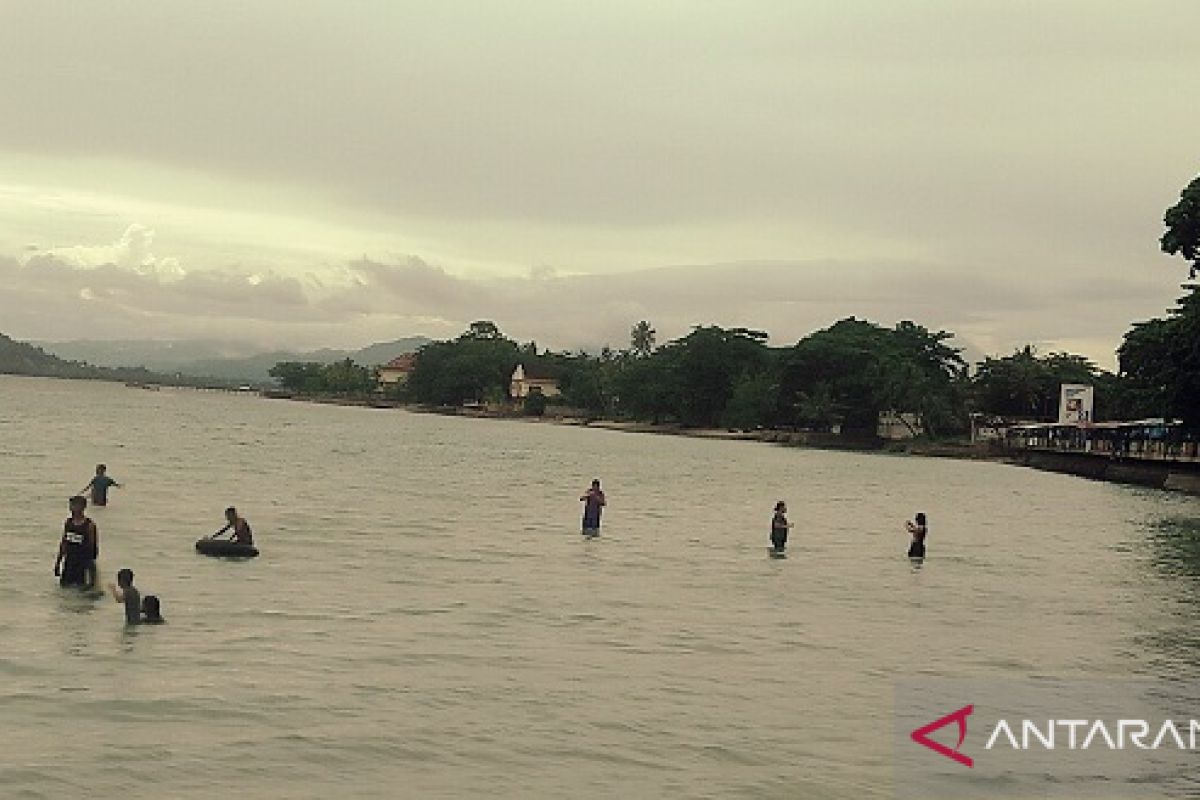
column 334, row 173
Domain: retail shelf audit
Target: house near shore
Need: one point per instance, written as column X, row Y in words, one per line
column 527, row 380
column 395, row 372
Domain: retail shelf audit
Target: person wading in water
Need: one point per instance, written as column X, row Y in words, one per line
column 594, row 504
column 78, row 548
column 917, row 530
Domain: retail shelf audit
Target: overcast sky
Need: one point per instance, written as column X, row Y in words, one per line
column 340, row 172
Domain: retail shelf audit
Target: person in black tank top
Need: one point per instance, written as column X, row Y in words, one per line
column 77, row 550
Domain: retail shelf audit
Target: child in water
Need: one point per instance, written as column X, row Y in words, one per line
column 124, row 592
column 151, row 611
column 779, row 527
column 917, row 530
column 100, row 485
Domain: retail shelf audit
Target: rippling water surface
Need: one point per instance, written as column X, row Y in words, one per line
column 425, row 620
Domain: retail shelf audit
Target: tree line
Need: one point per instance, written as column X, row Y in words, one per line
column 840, row 377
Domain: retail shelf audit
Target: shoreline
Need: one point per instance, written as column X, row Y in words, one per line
column 1176, row 477
column 806, row 439
column 1173, row 476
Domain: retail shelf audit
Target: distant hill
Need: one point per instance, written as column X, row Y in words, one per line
column 224, row 360
column 21, row 358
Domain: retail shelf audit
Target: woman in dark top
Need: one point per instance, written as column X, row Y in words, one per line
column 917, row 530
column 779, row 527
column 78, row 548
column 594, row 502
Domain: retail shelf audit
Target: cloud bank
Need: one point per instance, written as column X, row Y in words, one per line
column 65, row 294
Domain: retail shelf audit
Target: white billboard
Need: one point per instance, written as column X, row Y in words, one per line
column 1075, row 404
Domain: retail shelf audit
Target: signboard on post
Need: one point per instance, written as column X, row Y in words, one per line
column 1075, row 403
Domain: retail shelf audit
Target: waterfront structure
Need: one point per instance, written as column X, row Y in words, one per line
column 396, row 371
column 526, row 380
column 1155, row 439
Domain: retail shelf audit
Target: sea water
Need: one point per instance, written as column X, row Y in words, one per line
column 426, row 621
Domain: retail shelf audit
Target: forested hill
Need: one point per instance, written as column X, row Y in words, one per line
column 19, row 358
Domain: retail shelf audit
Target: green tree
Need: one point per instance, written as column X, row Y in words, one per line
column 1026, row 385
column 752, row 403
column 641, row 339
column 347, row 378
column 849, row 373
column 649, row 388
column 923, row 375
column 690, row 380
column 299, row 376
column 1160, row 359
column 535, row 404
column 586, row 383
column 1182, row 237
column 482, row 330
column 478, row 365
column 710, row 361
column 836, row 376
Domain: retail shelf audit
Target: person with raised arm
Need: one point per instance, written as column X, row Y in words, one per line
column 123, row 591
column 99, row 486
column 918, row 530
column 594, row 502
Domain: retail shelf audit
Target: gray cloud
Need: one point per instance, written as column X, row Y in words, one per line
column 382, row 300
column 995, row 168
column 944, row 122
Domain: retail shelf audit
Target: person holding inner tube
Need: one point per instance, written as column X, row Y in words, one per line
column 238, row 525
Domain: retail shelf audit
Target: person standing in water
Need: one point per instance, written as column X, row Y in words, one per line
column 594, row 503
column 779, row 527
column 917, row 530
column 99, row 486
column 241, row 529
column 78, row 548
column 125, row 592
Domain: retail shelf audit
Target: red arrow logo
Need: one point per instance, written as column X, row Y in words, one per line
column 921, row 735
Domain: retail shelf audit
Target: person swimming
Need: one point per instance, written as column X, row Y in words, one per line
column 241, row 529
column 151, row 610
column 99, row 486
column 918, row 530
column 79, row 547
column 594, row 501
column 779, row 527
